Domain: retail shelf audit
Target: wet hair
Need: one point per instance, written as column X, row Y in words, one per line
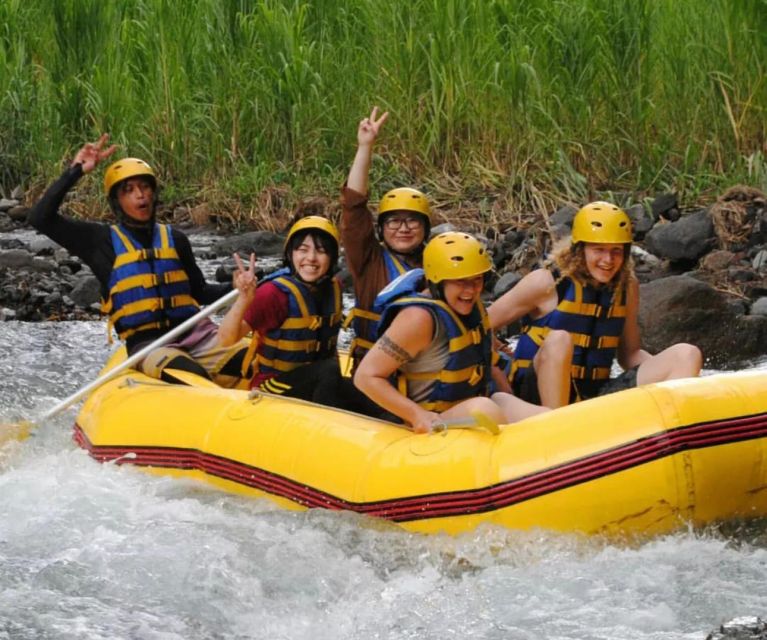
column 322, row 239
column 570, row 261
column 114, row 203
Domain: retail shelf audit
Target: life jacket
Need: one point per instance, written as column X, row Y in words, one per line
column 466, row 374
column 307, row 334
column 364, row 321
column 594, row 318
column 148, row 288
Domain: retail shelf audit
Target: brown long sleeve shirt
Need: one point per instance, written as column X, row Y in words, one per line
column 364, row 253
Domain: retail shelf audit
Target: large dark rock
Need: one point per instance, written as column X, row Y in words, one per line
column 22, row 259
column 745, row 628
column 563, row 215
column 687, row 239
column 86, row 292
column 666, row 205
column 641, row 222
column 262, row 243
column 683, row 309
column 505, row 283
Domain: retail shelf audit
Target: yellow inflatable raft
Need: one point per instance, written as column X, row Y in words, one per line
column 641, row 461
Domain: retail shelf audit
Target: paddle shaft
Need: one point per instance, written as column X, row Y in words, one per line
column 477, row 419
column 143, row 353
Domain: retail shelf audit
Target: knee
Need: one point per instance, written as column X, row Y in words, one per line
column 558, row 345
column 689, row 355
column 488, row 407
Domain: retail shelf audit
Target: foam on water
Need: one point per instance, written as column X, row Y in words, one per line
column 103, row 551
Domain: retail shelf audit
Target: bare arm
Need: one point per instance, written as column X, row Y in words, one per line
column 366, row 136
column 630, row 352
column 535, row 294
column 409, row 334
column 232, row 326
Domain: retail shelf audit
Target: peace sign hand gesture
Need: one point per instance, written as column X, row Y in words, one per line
column 91, row 153
column 369, row 127
column 245, row 280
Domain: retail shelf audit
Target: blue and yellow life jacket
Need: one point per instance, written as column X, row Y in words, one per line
column 593, row 316
column 467, row 372
column 364, row 321
column 307, row 334
column 148, row 288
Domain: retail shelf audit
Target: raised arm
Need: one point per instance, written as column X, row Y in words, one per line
column 367, row 132
column 233, row 326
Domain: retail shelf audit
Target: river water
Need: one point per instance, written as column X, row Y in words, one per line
column 91, row 551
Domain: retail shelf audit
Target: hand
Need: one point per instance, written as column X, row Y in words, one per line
column 245, row 280
column 91, row 153
column 424, row 421
column 369, row 127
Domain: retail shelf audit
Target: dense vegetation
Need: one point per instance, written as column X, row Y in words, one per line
column 525, row 103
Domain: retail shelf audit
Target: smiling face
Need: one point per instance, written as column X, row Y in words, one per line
column 136, row 198
column 403, row 231
column 604, row 261
column 310, row 260
column 461, row 295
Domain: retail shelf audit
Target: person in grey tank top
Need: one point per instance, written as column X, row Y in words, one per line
column 438, row 346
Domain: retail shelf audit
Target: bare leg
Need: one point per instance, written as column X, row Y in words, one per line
column 516, row 409
column 552, row 367
column 481, row 404
column 678, row 361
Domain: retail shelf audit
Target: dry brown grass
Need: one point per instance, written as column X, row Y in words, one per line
column 734, row 214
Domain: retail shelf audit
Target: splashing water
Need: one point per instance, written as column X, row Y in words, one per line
column 100, row 551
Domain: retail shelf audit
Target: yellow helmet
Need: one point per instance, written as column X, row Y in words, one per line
column 124, row 169
column 601, row 222
column 404, row 199
column 454, row 255
column 314, row 222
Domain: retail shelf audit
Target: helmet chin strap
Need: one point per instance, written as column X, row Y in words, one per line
column 124, row 219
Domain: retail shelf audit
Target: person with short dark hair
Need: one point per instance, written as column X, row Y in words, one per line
column 150, row 281
column 295, row 315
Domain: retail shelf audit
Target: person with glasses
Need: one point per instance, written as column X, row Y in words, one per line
column 377, row 252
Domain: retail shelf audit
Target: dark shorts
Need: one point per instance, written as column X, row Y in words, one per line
column 322, row 382
column 527, row 388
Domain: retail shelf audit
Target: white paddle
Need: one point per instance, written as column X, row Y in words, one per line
column 477, row 419
column 20, row 430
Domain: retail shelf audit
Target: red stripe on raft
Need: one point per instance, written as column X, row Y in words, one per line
column 438, row 505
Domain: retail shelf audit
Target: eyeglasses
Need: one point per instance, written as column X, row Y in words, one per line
column 396, row 223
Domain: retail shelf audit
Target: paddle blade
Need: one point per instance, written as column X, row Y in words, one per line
column 15, row 431
column 486, row 422
column 477, row 419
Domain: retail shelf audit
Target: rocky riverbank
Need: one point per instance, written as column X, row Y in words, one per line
column 703, row 272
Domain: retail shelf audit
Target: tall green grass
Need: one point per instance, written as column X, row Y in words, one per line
column 525, row 103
